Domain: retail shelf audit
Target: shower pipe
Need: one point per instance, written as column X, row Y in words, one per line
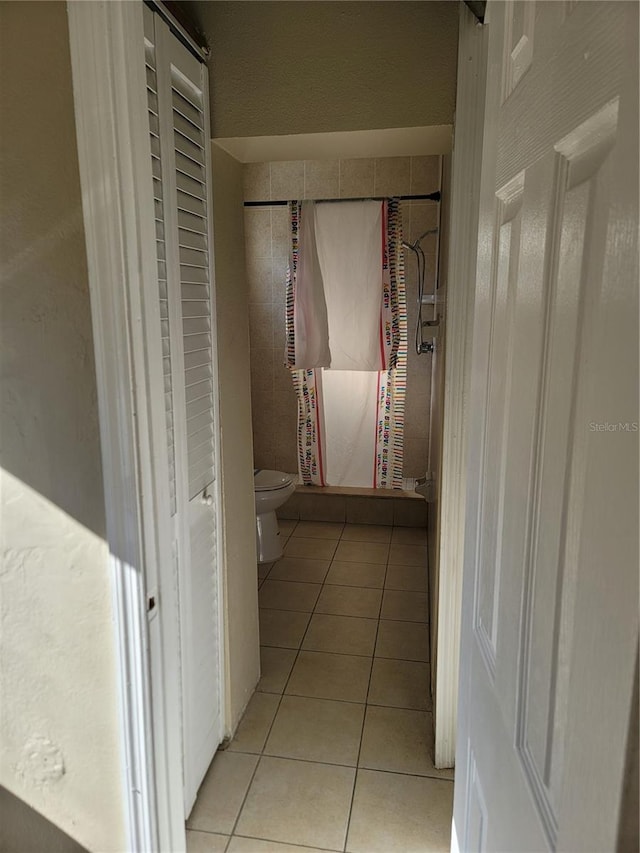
column 428, row 197
column 422, row 346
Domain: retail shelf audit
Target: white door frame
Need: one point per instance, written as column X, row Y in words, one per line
column 109, row 83
column 465, row 206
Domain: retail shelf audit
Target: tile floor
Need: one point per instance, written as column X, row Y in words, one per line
column 334, row 750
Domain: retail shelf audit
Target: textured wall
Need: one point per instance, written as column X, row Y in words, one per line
column 292, row 67
column 60, row 749
column 241, row 589
column 274, row 403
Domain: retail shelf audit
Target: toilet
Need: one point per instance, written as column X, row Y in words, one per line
column 271, row 489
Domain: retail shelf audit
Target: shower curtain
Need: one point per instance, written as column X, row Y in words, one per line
column 346, row 341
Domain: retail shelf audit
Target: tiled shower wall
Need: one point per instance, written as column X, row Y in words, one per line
column 273, row 400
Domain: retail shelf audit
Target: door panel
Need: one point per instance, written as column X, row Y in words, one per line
column 179, row 149
column 550, row 622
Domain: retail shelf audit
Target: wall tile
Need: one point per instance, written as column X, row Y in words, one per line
column 369, row 510
column 416, row 413
column 418, row 366
column 424, row 217
column 287, row 460
column 257, row 232
column 357, row 178
column 257, row 182
column 282, row 382
column 279, row 330
column 263, row 451
column 280, row 231
column 278, row 351
column 261, row 325
column 314, row 507
column 425, row 174
column 405, row 213
column 287, row 180
column 262, row 366
column 259, row 279
column 410, row 512
column 393, row 176
column 285, row 442
column 280, row 267
column 416, row 452
column 291, row 508
column 321, row 178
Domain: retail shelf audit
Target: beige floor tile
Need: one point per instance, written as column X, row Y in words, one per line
column 403, row 640
column 362, row 552
column 349, row 601
column 317, row 730
column 400, row 684
column 263, row 570
column 393, row 813
column 286, row 526
column 367, row 533
column 252, row 732
column 222, row 792
column 409, row 536
column 283, row 628
column 288, row 595
column 300, row 569
column 399, row 741
column 275, row 667
column 326, row 676
column 347, row 635
column 256, row 845
column 316, row 549
column 411, row 578
column 206, row 842
column 408, row 555
column 402, row 606
column 319, row 529
column 298, row 802
column 356, row 574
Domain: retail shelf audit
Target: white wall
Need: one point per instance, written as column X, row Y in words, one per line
column 291, row 67
column 232, row 307
column 60, row 748
column 437, row 421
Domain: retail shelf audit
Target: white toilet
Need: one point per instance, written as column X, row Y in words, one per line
column 271, row 489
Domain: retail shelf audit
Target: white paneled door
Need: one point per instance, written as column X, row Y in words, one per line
column 178, row 125
column 550, row 601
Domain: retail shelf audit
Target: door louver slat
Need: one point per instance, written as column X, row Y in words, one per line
column 188, row 124
column 156, row 167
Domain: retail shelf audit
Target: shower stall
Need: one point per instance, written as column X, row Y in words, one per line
column 417, row 182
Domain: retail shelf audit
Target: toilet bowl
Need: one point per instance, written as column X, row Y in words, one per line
column 271, row 489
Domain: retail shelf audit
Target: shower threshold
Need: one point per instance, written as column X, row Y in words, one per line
column 357, row 505
column 407, row 491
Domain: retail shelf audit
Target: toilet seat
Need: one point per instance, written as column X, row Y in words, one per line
column 267, row 481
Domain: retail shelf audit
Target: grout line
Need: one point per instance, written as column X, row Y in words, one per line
column 333, row 764
column 246, row 793
column 289, row 844
column 319, row 613
column 344, row 654
column 364, row 717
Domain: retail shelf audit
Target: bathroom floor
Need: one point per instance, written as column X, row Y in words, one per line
column 335, row 748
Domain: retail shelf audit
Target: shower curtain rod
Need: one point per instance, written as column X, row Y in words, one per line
column 427, row 197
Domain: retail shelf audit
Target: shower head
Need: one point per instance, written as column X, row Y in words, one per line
column 414, row 246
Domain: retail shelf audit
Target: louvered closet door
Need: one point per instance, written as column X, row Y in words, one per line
column 178, row 121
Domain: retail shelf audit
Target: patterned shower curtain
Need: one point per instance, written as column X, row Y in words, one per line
column 350, row 422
